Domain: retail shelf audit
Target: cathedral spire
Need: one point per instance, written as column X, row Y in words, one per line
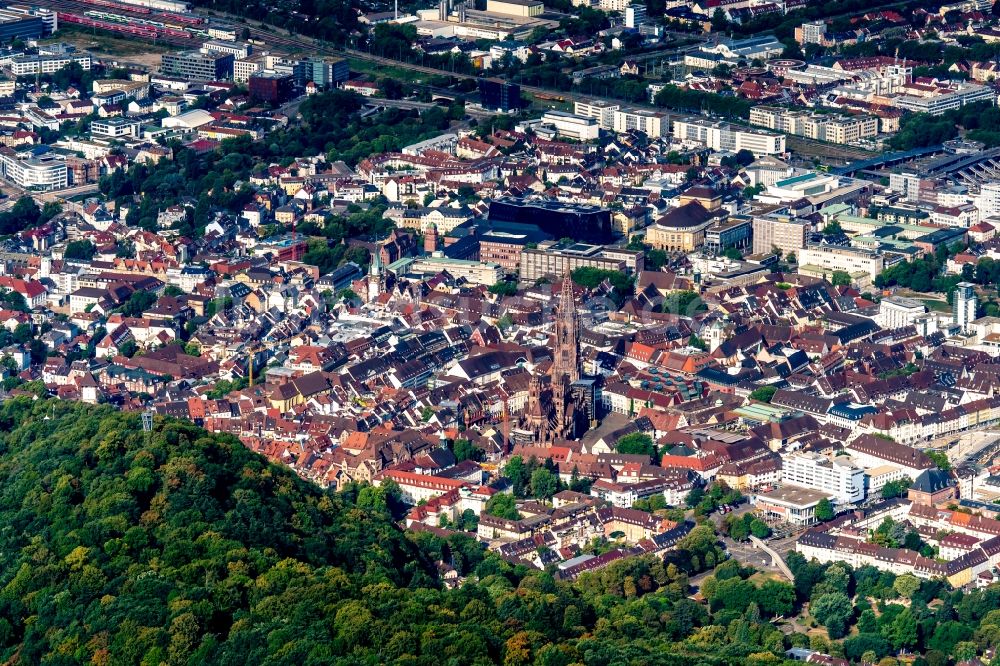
column 567, row 330
column 566, row 304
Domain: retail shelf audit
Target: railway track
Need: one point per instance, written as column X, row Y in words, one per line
column 275, row 40
column 80, row 9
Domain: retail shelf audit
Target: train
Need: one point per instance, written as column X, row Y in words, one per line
column 160, row 5
column 179, row 10
column 186, row 19
column 550, row 97
column 130, row 25
column 117, row 5
column 144, row 31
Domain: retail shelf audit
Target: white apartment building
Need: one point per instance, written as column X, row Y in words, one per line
column 899, row 311
column 115, row 127
column 243, row 69
column 572, row 126
column 828, row 258
column 653, row 123
column 35, row 173
column 845, row 130
column 224, row 32
column 239, row 50
column 881, row 475
column 942, row 99
column 988, row 201
column 813, row 32
column 907, row 184
column 603, row 112
column 836, row 476
column 785, row 233
column 725, row 137
column 635, row 16
column 964, row 305
column 963, row 216
column 47, row 64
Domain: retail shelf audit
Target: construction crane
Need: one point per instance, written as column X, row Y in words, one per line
column 258, row 347
column 251, row 354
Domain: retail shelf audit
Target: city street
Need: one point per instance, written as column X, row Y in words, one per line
column 745, row 552
column 978, row 446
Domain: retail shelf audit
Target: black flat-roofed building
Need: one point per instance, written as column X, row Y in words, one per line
column 590, row 224
column 14, row 26
column 499, row 95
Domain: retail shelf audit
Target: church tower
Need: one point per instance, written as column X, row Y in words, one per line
column 534, row 411
column 431, row 239
column 566, row 365
column 567, row 347
column 376, row 284
column 716, row 335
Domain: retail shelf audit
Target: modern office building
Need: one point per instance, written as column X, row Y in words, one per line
column 198, row 66
column 499, row 95
column 907, row 184
column 522, row 8
column 635, row 15
column 272, row 87
column 572, row 126
column 29, row 65
column 783, row 232
column 730, row 138
column 324, row 72
column 823, row 260
column 475, row 272
column 899, row 311
column 502, row 243
column 791, row 504
column 238, row 50
column 836, row 476
column 734, row 232
column 114, row 128
column 988, row 201
column 35, row 173
column 244, row 69
column 553, row 259
column 27, row 24
column 653, row 123
column 600, row 110
column 964, row 305
column 845, row 130
column 943, row 99
column 587, row 224
column 49, row 17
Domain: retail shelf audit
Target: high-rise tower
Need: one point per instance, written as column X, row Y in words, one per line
column 964, row 304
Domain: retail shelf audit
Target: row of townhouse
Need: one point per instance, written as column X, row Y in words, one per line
column 909, row 427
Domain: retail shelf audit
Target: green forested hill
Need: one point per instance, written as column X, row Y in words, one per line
column 188, row 549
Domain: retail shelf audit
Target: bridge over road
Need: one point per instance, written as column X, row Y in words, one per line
column 776, row 559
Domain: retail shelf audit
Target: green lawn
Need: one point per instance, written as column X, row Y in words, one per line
column 935, row 305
